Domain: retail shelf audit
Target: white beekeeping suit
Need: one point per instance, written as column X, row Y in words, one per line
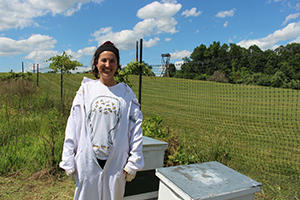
column 105, row 122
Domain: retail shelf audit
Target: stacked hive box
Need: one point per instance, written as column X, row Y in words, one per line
column 145, row 185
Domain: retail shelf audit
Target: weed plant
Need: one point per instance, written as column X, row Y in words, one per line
column 31, row 128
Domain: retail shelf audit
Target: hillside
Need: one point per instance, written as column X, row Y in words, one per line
column 252, row 129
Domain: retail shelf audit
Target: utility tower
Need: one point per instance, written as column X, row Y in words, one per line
column 165, row 58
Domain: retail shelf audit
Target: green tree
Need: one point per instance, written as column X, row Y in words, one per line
column 279, row 79
column 134, row 68
column 199, row 53
column 289, row 60
column 257, row 59
column 238, row 57
column 63, row 63
column 272, row 62
column 172, row 70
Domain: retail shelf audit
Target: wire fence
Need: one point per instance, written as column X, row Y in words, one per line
column 253, row 129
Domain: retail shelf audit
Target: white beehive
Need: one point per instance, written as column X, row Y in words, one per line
column 205, row 181
column 145, row 185
column 153, row 151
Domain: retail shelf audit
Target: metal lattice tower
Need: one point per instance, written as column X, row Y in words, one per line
column 165, row 58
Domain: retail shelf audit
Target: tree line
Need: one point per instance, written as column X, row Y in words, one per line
column 234, row 64
column 222, row 63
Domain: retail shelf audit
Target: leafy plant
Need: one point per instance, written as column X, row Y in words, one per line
column 52, row 130
column 134, row 68
column 16, row 76
column 122, row 76
column 153, row 128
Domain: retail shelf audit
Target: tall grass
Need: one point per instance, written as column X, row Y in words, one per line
column 30, row 127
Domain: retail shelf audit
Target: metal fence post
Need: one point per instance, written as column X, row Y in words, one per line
column 37, row 75
column 141, row 71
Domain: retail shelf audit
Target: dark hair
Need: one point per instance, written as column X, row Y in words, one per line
column 106, row 46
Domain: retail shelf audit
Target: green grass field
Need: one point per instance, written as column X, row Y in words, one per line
column 252, row 129
column 255, row 130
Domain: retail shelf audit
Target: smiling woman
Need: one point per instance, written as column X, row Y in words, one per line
column 103, row 138
column 107, row 67
column 106, row 63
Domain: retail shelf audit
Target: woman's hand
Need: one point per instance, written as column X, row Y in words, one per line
column 70, row 172
column 128, row 176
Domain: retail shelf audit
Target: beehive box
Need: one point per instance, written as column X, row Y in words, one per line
column 145, row 185
column 205, row 181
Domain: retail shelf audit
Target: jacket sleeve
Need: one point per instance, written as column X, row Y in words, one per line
column 72, row 134
column 135, row 160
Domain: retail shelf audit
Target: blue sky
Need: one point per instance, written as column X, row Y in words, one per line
column 35, row 30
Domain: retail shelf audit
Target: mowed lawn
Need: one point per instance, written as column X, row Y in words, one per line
column 252, row 129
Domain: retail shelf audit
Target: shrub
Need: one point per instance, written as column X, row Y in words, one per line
column 218, row 76
column 294, row 84
column 122, row 76
column 201, row 77
column 15, row 76
column 153, row 128
column 262, row 79
column 134, row 68
column 278, row 79
column 52, row 135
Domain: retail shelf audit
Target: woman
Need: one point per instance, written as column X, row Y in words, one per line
column 103, row 138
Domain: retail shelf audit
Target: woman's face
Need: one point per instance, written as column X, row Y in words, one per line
column 107, row 66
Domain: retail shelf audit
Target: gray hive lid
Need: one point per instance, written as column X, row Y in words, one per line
column 153, row 144
column 210, row 180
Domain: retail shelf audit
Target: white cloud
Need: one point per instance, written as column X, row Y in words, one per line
column 38, row 48
column 193, row 12
column 36, row 42
column 40, row 56
column 290, row 17
column 87, row 51
column 226, row 13
column 20, row 13
column 158, row 10
column 156, row 18
column 297, row 40
column 169, row 1
column 226, row 24
column 290, row 32
column 151, row 42
column 270, row 1
column 168, row 39
column 180, row 54
column 124, row 39
column 15, row 14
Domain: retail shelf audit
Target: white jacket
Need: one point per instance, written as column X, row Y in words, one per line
column 93, row 182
